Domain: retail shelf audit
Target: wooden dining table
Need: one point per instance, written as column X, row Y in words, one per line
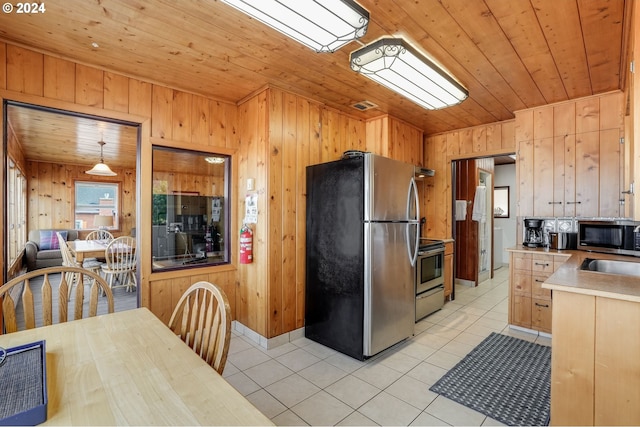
column 82, row 249
column 129, row 368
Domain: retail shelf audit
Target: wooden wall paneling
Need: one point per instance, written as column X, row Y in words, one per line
column 116, row 92
column 289, row 212
column 59, row 79
column 89, row 86
column 275, row 219
column 466, row 141
column 304, row 130
column 161, row 112
column 3, row 66
column 508, row 130
column 453, row 143
column 140, row 98
column 201, row 128
column 181, row 117
column 493, row 137
column 479, row 136
column 586, row 201
column 376, row 135
column 617, row 373
column 611, row 173
column 24, row 70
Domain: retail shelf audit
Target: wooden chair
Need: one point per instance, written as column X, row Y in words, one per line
column 9, row 304
column 202, row 319
column 121, row 262
column 100, row 235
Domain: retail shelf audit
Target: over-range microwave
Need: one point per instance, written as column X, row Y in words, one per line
column 612, row 236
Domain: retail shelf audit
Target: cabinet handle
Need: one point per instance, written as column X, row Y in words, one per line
column 539, row 281
column 544, row 264
column 574, row 203
column 542, row 305
column 555, row 203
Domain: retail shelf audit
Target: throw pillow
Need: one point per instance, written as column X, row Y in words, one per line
column 49, row 239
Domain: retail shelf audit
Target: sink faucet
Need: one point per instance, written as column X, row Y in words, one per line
column 637, row 229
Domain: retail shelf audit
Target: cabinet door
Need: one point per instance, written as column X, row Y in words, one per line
column 541, row 314
column 587, row 176
column 537, row 291
column 543, row 177
column 521, row 283
column 521, row 308
column 542, row 264
column 448, row 275
column 611, row 173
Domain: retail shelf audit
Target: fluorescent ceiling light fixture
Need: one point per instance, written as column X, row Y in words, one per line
column 395, row 64
column 101, row 168
column 322, row 25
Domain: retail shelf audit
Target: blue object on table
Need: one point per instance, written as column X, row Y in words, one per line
column 23, row 378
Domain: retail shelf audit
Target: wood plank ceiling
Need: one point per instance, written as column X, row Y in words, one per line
column 510, row 54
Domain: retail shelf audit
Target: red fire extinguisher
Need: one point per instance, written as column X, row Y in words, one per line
column 246, row 245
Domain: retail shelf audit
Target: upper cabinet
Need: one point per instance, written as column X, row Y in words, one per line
column 571, row 158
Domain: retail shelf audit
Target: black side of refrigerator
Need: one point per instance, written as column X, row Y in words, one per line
column 334, row 298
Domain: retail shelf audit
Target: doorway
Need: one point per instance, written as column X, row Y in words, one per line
column 480, row 245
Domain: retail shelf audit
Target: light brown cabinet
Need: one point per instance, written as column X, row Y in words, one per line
column 570, row 159
column 595, row 370
column 530, row 305
column 448, row 270
column 576, row 175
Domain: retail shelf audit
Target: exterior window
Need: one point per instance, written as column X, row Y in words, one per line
column 95, row 203
column 16, row 211
column 191, row 209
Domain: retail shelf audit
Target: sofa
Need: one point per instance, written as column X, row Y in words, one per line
column 42, row 248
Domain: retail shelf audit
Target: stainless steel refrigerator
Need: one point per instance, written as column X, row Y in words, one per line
column 362, row 237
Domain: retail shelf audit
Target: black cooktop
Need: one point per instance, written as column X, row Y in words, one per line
column 426, row 244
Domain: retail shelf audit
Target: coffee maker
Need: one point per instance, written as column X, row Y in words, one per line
column 533, row 234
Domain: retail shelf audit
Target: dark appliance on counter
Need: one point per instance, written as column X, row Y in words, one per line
column 362, row 243
column 533, row 233
column 614, row 236
column 563, row 240
column 429, row 277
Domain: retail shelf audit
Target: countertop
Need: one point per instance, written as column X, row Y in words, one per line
column 570, row 278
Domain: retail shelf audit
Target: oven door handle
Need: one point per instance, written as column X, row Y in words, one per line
column 431, row 252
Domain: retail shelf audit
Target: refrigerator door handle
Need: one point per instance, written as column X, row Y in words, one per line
column 413, row 191
column 413, row 254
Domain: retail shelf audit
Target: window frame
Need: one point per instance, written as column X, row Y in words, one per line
column 117, row 205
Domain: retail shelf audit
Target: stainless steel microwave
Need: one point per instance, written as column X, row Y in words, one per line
column 614, row 236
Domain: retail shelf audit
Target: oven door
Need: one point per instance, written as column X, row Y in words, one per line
column 429, row 270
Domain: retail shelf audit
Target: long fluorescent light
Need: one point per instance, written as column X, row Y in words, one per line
column 395, row 64
column 322, row 25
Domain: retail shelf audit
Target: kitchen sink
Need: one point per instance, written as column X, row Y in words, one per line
column 626, row 268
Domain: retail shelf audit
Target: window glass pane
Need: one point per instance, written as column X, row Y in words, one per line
column 191, row 207
column 94, row 200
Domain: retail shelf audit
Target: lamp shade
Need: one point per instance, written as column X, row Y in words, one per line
column 322, row 25
column 395, row 64
column 103, row 221
column 101, row 167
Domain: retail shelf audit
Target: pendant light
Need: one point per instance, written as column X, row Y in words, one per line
column 101, row 168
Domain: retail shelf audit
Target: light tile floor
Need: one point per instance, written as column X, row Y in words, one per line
column 305, row 383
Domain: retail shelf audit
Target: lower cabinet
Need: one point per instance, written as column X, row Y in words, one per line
column 448, row 270
column 595, row 368
column 530, row 305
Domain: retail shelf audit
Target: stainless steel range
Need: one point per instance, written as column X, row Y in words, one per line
column 429, row 277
